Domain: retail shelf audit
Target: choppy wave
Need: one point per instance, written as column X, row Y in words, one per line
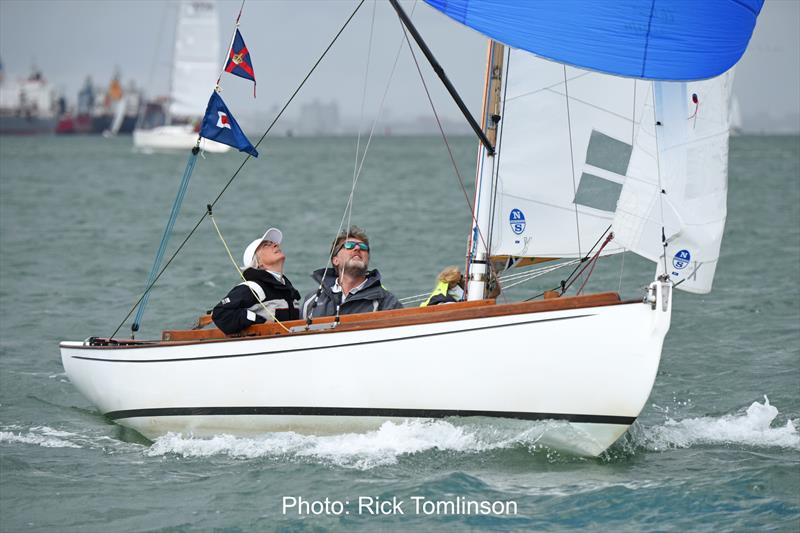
column 754, row 427
column 392, row 441
column 43, row 436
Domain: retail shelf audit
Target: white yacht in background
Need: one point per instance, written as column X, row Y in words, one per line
column 194, row 68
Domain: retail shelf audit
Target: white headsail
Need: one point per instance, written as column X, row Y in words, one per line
column 690, row 145
column 577, row 154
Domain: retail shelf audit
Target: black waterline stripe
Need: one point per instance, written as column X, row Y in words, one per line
column 177, row 360
column 358, row 411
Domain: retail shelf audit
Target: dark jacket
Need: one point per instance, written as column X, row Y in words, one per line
column 371, row 297
column 240, row 308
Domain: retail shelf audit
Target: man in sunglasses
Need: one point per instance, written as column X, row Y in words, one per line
column 349, row 286
column 265, row 295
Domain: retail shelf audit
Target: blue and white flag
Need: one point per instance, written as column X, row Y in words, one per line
column 219, row 125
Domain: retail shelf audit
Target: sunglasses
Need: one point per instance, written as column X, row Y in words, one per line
column 350, row 245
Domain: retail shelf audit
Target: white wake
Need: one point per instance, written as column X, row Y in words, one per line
column 754, row 427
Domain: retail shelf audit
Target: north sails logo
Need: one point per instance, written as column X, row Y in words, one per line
column 681, row 259
column 517, row 221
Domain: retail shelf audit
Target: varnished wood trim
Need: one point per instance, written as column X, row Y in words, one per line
column 383, row 319
column 407, row 317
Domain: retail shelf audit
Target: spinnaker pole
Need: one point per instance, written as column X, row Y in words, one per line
column 442, row 76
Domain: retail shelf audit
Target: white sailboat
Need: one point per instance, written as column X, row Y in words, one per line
column 571, row 153
column 195, row 66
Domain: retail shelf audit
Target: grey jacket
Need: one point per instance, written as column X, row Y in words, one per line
column 371, row 297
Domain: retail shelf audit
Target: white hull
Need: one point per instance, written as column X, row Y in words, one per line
column 592, row 367
column 170, row 138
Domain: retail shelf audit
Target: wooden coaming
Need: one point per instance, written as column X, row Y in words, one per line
column 404, row 317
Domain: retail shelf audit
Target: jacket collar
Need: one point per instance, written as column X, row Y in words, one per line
column 264, row 276
column 373, row 278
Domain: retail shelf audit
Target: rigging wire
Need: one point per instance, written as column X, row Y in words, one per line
column 517, row 278
column 361, row 118
column 236, row 173
column 593, row 263
column 162, row 247
column 633, row 142
column 572, row 161
column 438, row 122
column 661, row 191
column 500, row 127
column 583, row 259
column 450, row 153
column 347, row 208
column 230, row 46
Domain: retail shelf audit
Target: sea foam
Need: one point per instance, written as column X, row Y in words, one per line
column 386, row 445
column 751, row 428
column 359, row 450
column 43, row 436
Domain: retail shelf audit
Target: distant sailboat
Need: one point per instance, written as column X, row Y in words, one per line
column 195, row 65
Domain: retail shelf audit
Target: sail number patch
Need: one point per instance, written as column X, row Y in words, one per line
column 517, row 221
column 681, row 259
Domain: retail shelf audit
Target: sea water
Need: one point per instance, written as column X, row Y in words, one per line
column 717, row 447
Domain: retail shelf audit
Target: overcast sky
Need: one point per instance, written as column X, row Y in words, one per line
column 70, row 39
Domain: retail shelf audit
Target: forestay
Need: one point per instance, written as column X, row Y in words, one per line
column 196, row 57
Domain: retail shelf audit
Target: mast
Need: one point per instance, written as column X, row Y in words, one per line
column 478, row 268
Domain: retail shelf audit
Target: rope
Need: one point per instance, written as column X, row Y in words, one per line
column 241, row 275
column 230, row 46
column 450, row 152
column 518, row 278
column 236, row 173
column 348, row 206
column 361, row 117
column 563, row 286
column 592, row 263
column 162, row 247
column 441, row 128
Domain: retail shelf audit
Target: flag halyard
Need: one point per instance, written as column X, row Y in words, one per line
column 239, row 62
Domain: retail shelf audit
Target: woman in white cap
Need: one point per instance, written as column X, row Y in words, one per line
column 266, row 294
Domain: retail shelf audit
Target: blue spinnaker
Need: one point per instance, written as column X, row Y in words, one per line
column 651, row 39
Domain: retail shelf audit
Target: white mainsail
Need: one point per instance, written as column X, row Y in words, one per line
column 596, row 133
column 561, row 162
column 195, row 64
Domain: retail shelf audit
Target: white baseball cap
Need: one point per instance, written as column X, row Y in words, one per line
column 248, row 258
